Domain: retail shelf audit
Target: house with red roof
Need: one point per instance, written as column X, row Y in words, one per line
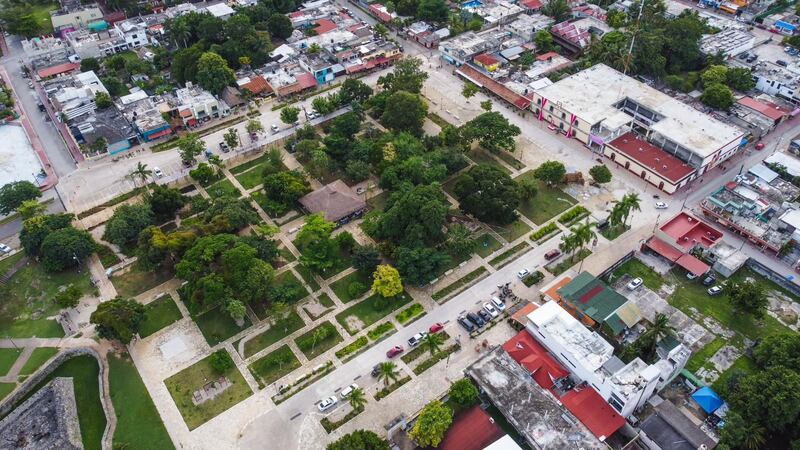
column 487, row 62
column 677, row 237
column 770, row 112
column 650, row 162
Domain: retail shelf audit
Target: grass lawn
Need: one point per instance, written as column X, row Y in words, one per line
column 481, row 156
column 107, row 256
column 341, row 286
column 274, row 365
column 487, row 244
column 223, row 188
column 135, row 281
column 84, row 372
column 548, row 202
column 139, row 425
column 6, row 388
column 41, row 13
column 251, row 178
column 38, row 357
column 217, row 325
column 273, row 334
column 743, row 364
column 692, row 294
column 613, row 232
column 637, row 269
column 288, row 256
column 7, row 358
column 410, row 314
column 369, row 311
column 249, row 164
column 30, row 290
column 184, row 383
column 325, row 338
column 512, row 231
column 307, row 276
column 508, row 158
column 159, row 313
column 700, row 358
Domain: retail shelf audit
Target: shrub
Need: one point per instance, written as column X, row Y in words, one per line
column 221, row 361
column 68, row 298
column 380, row 330
column 352, row 347
column 573, row 214
column 355, row 289
column 544, row 231
column 533, row 278
column 463, row 393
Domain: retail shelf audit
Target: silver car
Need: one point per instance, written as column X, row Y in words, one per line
column 327, row 403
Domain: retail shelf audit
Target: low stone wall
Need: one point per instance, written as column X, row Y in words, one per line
column 773, row 276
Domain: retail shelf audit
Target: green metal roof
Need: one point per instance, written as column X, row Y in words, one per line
column 591, row 296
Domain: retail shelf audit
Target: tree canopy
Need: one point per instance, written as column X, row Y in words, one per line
column 13, row 194
column 213, row 73
column 405, row 111
column 387, row 281
column 118, row 319
column 432, row 423
column 488, row 193
column 492, row 131
column 359, row 440
column 551, row 172
column 407, row 76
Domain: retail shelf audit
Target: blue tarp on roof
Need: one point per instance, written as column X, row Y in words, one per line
column 707, row 399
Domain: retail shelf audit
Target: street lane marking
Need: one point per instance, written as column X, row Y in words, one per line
column 295, row 416
column 356, row 378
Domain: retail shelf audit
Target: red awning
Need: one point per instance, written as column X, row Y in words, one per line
column 692, row 264
column 662, row 248
column 161, row 133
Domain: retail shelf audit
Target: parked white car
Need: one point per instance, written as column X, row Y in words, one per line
column 522, row 273
column 498, row 304
column 157, row 172
column 634, row 284
column 4, row 248
column 490, row 309
column 327, row 403
column 661, row 205
column 348, row 390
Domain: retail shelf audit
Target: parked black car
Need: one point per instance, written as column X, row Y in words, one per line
column 376, row 370
column 709, row 280
column 485, row 316
column 466, row 324
column 476, row 320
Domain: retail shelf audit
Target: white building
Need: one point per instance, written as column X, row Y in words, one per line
column 220, row 10
column 134, row 32
column 527, row 25
column 728, row 42
column 77, row 99
column 626, row 387
column 777, row 81
column 195, row 104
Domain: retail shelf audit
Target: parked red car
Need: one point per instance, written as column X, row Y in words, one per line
column 759, row 146
column 394, row 351
column 435, row 328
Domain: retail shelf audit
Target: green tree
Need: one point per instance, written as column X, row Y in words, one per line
column 469, row 90
column 126, row 223
column 433, row 343
column 289, row 115
column 141, row 173
column 405, row 112
column 740, row 79
column 100, row 145
column 770, row 397
column 387, row 372
column 357, row 399
column 286, row 187
column 559, row 10
column 357, row 171
column 354, row 90
column 13, row 194
column 419, row 266
column 114, row 86
column 486, row 105
column 279, row 26
column 31, row 208
column 551, row 172
column 715, row 75
column 741, row 433
column 213, row 73
column 432, row 423
column 600, row 174
column 717, row 96
column 319, row 251
column 189, row 146
column 118, row 319
column 407, row 76
column 463, row 392
column 69, row 297
column 387, row 281
column 543, row 41
column 747, row 296
column 324, row 105
column 359, row 440
column 37, row 228
column 492, row 131
column 489, row 194
column 616, row 18
column 527, row 189
column 630, row 202
column 203, row 174
column 254, row 126
column 231, row 138
column 657, row 331
column 165, row 202
column 781, row 349
column 365, row 258
column 432, row 11
column 221, row 361
column 460, row 241
column 102, row 100
column 66, row 248
column 414, row 216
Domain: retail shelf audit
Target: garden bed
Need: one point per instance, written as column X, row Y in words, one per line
column 501, row 259
column 561, row 267
column 273, row 366
column 459, row 285
column 410, row 314
column 369, row 311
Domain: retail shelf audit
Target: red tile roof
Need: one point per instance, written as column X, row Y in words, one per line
column 58, row 70
column 767, row 109
column 652, row 157
column 257, row 85
column 586, row 404
column 531, row 4
column 692, row 264
column 521, row 316
column 471, row 430
column 306, row 80
column 499, row 89
column 324, row 26
column 593, row 411
column 486, row 59
column 546, row 56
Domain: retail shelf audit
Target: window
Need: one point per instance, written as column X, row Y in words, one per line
column 616, row 402
column 538, row 101
column 536, row 111
column 551, row 108
column 576, row 123
column 563, row 115
column 567, row 359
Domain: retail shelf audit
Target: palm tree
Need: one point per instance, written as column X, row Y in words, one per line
column 617, row 213
column 357, row 399
column 632, row 202
column 568, row 243
column 660, row 329
column 387, row 371
column 216, row 162
column 141, row 172
column 583, row 233
column 754, row 437
column 433, row 342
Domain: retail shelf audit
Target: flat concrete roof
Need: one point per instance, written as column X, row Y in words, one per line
column 592, row 93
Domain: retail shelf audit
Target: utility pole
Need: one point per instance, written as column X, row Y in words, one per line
column 633, row 38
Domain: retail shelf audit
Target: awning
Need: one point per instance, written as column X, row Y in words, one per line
column 662, row 248
column 692, row 264
column 707, row 399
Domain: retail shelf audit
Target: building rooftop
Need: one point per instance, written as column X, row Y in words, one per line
column 767, row 109
column 602, row 304
column 688, row 231
column 219, row 10
column 532, row 410
column 501, row 90
column 335, row 200
column 579, row 32
column 546, row 63
column 679, row 122
column 472, row 429
column 670, row 428
column 728, row 42
column 652, row 157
